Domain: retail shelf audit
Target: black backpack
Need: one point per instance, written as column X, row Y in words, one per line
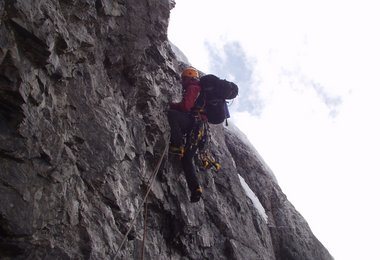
column 214, row 92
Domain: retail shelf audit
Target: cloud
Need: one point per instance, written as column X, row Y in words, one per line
column 297, row 78
column 332, row 102
column 230, row 61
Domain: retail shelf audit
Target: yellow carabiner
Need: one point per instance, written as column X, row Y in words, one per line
column 217, row 166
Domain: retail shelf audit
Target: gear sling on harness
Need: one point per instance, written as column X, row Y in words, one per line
column 197, row 142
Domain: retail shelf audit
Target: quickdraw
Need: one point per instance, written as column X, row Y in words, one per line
column 198, row 138
column 207, row 161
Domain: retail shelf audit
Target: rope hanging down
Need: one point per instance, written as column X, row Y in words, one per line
column 144, row 236
column 150, row 181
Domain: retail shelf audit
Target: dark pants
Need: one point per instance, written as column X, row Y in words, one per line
column 181, row 124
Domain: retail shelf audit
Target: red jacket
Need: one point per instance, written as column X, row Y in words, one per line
column 191, row 92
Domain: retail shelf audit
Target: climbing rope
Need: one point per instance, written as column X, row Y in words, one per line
column 145, row 226
column 150, row 181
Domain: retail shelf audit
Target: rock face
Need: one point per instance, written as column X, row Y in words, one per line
column 84, row 88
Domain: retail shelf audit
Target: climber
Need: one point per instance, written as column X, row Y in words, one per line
column 182, row 121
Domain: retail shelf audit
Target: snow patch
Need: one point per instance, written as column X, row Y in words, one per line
column 255, row 200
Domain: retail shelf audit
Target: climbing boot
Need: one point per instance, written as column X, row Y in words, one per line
column 196, row 195
column 177, row 150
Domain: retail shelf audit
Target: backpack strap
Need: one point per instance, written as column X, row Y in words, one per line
column 199, row 110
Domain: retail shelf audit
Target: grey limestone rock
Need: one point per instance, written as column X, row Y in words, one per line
column 84, row 90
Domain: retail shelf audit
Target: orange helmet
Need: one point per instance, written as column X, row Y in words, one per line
column 190, row 72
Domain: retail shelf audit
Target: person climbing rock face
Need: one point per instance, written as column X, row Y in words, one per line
column 182, row 121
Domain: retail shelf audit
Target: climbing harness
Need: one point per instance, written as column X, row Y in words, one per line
column 150, row 184
column 199, row 138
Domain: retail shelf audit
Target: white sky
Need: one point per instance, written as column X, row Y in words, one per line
column 309, row 74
